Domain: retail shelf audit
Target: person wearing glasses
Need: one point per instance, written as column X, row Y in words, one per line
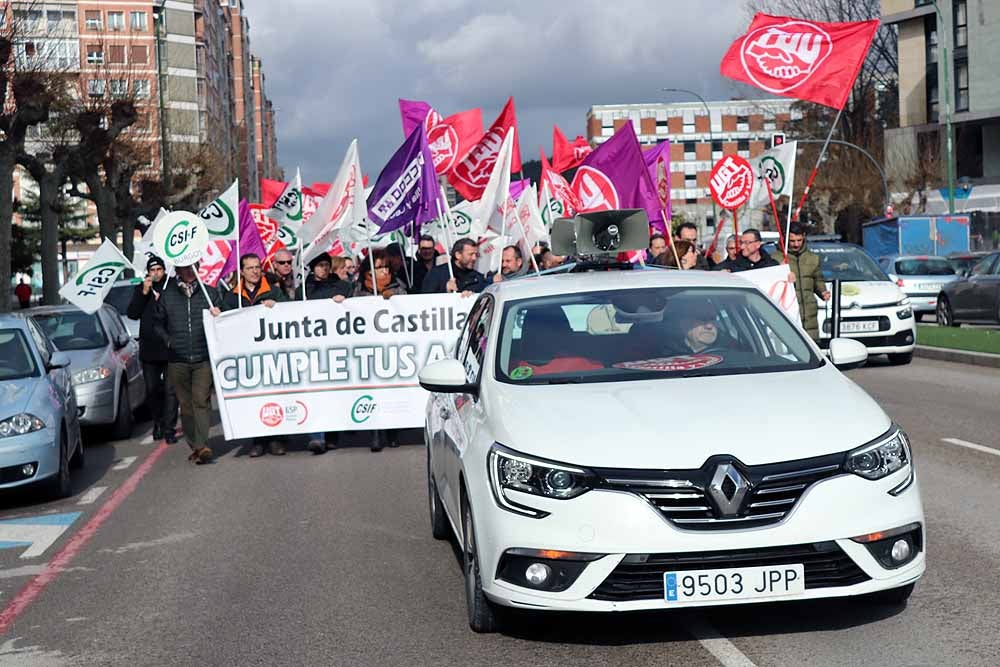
column 732, row 255
column 284, row 273
column 752, row 257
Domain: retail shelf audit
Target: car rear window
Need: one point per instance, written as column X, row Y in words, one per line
column 119, row 296
column 16, row 360
column 924, row 266
column 73, row 330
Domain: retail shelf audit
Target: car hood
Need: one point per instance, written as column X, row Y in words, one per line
column 15, row 395
column 84, row 359
column 869, row 293
column 674, row 424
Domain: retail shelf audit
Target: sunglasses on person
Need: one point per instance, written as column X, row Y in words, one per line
column 282, row 261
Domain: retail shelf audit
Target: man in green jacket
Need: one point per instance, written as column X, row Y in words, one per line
column 806, row 268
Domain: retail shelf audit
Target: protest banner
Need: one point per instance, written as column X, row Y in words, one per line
column 303, row 367
column 774, row 282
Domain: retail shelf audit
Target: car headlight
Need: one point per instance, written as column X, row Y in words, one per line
column 20, row 424
column 91, row 375
column 905, row 301
column 904, row 313
column 882, row 458
column 510, row 470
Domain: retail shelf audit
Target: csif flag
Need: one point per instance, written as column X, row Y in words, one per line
column 778, row 167
column 87, row 289
column 470, row 176
column 288, row 207
column 557, row 198
column 407, row 188
column 449, row 138
column 806, row 60
column 566, row 155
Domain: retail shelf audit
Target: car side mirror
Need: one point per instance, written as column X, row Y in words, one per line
column 58, row 360
column 846, row 353
column 446, row 377
column 121, row 340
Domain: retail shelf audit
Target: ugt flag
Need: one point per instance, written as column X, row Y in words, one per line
column 614, row 176
column 566, row 155
column 407, row 188
column 87, row 289
column 343, row 206
column 557, row 197
column 449, row 138
column 778, row 167
column 471, row 175
column 807, row 60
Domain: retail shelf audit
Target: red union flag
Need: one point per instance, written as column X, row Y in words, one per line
column 471, row 175
column 566, row 155
column 731, row 182
column 595, row 190
column 806, row 60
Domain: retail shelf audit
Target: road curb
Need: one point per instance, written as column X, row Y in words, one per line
column 958, row 356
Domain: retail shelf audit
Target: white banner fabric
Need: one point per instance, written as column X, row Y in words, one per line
column 774, row 282
column 311, row 366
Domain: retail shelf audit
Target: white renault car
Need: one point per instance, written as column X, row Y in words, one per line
column 566, row 455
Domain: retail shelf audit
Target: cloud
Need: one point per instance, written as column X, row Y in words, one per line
column 335, row 69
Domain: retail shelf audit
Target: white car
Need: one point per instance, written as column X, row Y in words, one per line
column 873, row 309
column 565, row 453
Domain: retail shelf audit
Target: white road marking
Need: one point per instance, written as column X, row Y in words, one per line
column 90, row 496
column 23, row 571
column 148, row 440
column 36, row 533
column 724, row 650
column 972, row 445
column 125, row 462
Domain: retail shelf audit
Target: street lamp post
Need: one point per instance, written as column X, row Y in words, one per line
column 164, row 148
column 943, row 35
column 711, row 137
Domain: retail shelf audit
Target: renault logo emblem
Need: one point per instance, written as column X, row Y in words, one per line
column 728, row 487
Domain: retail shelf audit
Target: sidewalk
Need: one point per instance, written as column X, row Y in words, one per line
column 959, row 356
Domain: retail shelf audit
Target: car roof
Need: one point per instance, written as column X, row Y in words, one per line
column 920, row 257
column 968, row 255
column 63, row 308
column 12, row 321
column 595, row 281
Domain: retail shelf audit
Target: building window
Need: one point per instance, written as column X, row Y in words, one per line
column 93, row 20
column 961, row 86
column 743, row 145
column 689, row 150
column 116, row 54
column 961, row 21
column 138, row 21
column 691, row 200
column 119, row 88
column 141, row 88
column 931, row 39
column 140, row 54
column 716, row 150
column 95, row 54
column 932, row 97
column 61, row 21
column 95, row 87
column 742, row 123
column 29, row 20
column 116, row 20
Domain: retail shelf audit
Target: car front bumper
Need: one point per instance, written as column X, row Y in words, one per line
column 618, row 524
column 39, row 447
column 894, row 336
column 96, row 401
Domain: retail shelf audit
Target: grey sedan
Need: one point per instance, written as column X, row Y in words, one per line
column 974, row 297
column 920, row 277
column 107, row 373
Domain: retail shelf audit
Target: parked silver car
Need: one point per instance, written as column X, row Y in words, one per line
column 921, row 277
column 107, row 373
column 39, row 428
column 119, row 297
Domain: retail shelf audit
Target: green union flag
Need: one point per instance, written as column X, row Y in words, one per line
column 778, row 167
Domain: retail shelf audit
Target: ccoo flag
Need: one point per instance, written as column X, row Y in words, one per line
column 615, row 176
column 407, row 187
column 87, row 289
column 806, row 60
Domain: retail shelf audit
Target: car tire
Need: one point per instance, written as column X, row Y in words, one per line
column 901, row 358
column 481, row 612
column 79, row 458
column 892, row 597
column 60, row 485
column 440, row 528
column 122, row 427
column 945, row 315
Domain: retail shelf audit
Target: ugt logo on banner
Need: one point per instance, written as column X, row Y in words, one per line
column 595, row 190
column 731, row 182
column 779, row 58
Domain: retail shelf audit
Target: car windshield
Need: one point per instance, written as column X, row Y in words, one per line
column 640, row 334
column 848, row 263
column 118, row 298
column 924, row 266
column 73, row 330
column 16, row 360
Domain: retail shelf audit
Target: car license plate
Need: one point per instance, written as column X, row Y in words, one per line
column 858, row 327
column 928, row 287
column 737, row 583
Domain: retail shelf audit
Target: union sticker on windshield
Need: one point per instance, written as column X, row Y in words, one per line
column 521, row 373
column 684, row 362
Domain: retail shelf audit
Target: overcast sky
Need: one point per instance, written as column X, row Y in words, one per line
column 335, row 68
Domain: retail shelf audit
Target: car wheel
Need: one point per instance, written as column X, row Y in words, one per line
column 893, row 596
column 945, row 316
column 481, row 612
column 439, row 521
column 79, row 458
column 122, row 428
column 60, row 485
column 900, row 359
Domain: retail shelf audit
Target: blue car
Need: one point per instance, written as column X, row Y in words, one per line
column 39, row 427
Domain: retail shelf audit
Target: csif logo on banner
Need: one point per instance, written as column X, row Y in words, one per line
column 180, row 238
column 363, row 409
column 93, row 279
column 219, row 218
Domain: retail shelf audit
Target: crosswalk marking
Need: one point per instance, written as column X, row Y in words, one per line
column 90, row 496
column 124, row 463
column 972, row 445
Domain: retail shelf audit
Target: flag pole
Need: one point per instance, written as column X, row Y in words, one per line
column 239, row 297
column 203, row 290
column 782, row 239
column 302, row 268
column 812, row 175
column 446, row 219
column 670, row 237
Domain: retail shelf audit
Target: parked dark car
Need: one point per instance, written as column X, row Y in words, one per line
column 974, row 297
column 963, row 261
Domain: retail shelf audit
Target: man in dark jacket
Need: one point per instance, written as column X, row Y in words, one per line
column 160, row 396
column 806, row 266
column 322, row 283
column 178, row 320
column 733, row 255
column 467, row 280
column 426, row 260
column 284, row 274
column 753, row 258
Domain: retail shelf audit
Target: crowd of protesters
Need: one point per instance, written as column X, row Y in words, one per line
column 174, row 350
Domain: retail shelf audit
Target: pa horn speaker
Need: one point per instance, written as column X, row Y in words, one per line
column 611, row 232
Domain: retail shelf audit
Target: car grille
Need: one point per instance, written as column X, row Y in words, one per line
column 898, row 339
column 683, row 497
column 640, row 576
